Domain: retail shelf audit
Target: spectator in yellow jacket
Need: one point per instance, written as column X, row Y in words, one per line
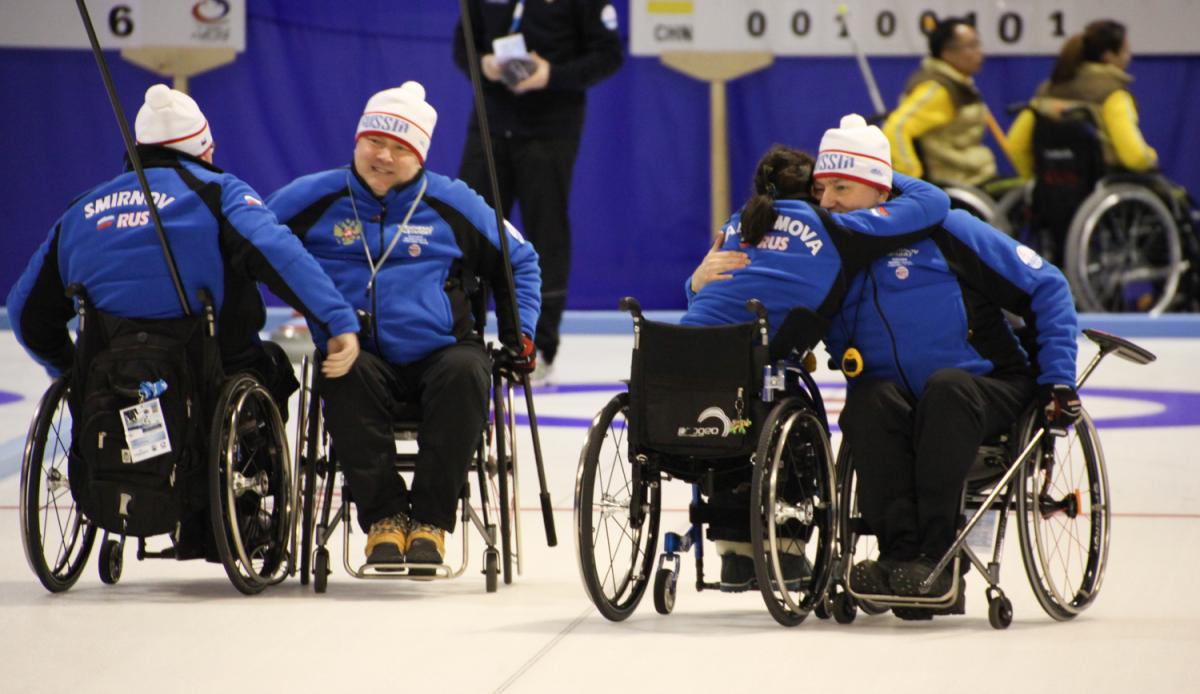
column 1090, row 72
column 936, row 132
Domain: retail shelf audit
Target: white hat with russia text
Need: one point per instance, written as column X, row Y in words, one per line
column 401, row 114
column 856, row 151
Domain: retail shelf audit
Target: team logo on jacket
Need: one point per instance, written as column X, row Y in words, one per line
column 105, row 222
column 414, row 250
column 251, row 200
column 1029, row 257
column 347, row 231
column 902, row 272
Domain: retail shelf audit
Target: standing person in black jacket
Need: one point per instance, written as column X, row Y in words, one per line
column 535, row 110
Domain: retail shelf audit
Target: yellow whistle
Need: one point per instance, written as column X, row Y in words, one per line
column 852, row 363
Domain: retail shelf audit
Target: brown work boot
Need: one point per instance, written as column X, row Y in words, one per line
column 426, row 545
column 387, row 539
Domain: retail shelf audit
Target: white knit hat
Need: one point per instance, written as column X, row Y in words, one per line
column 856, row 151
column 172, row 119
column 401, row 114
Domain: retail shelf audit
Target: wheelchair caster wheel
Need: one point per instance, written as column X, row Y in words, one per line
column 844, row 609
column 1000, row 612
column 321, row 570
column 822, row 609
column 664, row 591
column 111, row 562
column 491, row 569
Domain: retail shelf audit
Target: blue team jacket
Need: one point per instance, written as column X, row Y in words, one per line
column 937, row 304
column 223, row 239
column 419, row 299
column 806, row 260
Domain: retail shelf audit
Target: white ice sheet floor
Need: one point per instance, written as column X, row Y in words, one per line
column 181, row 627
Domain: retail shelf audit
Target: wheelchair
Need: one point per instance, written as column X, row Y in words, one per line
column 703, row 402
column 228, row 474
column 494, row 465
column 1125, row 241
column 980, row 201
column 1059, row 490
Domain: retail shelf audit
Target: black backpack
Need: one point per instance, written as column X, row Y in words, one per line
column 1068, row 162
column 119, row 363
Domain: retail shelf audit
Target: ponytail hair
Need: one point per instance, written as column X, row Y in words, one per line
column 783, row 173
column 1100, row 37
column 1069, row 60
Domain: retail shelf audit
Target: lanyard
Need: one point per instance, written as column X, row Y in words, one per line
column 518, row 12
column 395, row 239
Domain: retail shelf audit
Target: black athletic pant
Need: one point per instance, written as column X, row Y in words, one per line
column 451, row 386
column 536, row 174
column 912, row 458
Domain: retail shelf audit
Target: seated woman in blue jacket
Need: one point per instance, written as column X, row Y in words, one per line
column 934, row 368
column 787, row 252
column 405, row 245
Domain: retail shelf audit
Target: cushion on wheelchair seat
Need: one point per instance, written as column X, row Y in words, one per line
column 689, row 386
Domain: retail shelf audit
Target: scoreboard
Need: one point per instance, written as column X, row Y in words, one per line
column 899, row 27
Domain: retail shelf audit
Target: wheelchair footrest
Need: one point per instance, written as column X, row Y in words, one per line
column 405, row 571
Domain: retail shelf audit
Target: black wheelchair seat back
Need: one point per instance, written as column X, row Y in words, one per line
column 149, row 380
column 695, row 391
column 1068, row 162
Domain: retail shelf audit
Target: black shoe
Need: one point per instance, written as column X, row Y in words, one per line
column 737, row 573
column 870, row 577
column 906, row 577
column 797, row 570
column 426, row 545
column 386, row 540
column 913, row 614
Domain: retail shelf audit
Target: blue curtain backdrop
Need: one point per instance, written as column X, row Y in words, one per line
column 289, row 104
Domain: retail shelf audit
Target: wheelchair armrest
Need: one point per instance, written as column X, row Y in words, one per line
column 756, row 307
column 1120, row 346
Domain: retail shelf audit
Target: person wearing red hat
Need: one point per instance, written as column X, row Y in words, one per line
column 224, row 240
column 406, row 247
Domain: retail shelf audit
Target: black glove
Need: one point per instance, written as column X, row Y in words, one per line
column 525, row 361
column 1060, row 408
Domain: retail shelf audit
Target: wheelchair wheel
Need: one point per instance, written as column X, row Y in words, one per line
column 250, row 487
column 314, row 477
column 1064, row 508
column 851, row 541
column 57, row 538
column 1123, row 251
column 794, row 518
column 978, row 203
column 111, row 562
column 491, row 570
column 321, row 570
column 664, row 591
column 616, row 516
column 501, row 438
column 1015, row 208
